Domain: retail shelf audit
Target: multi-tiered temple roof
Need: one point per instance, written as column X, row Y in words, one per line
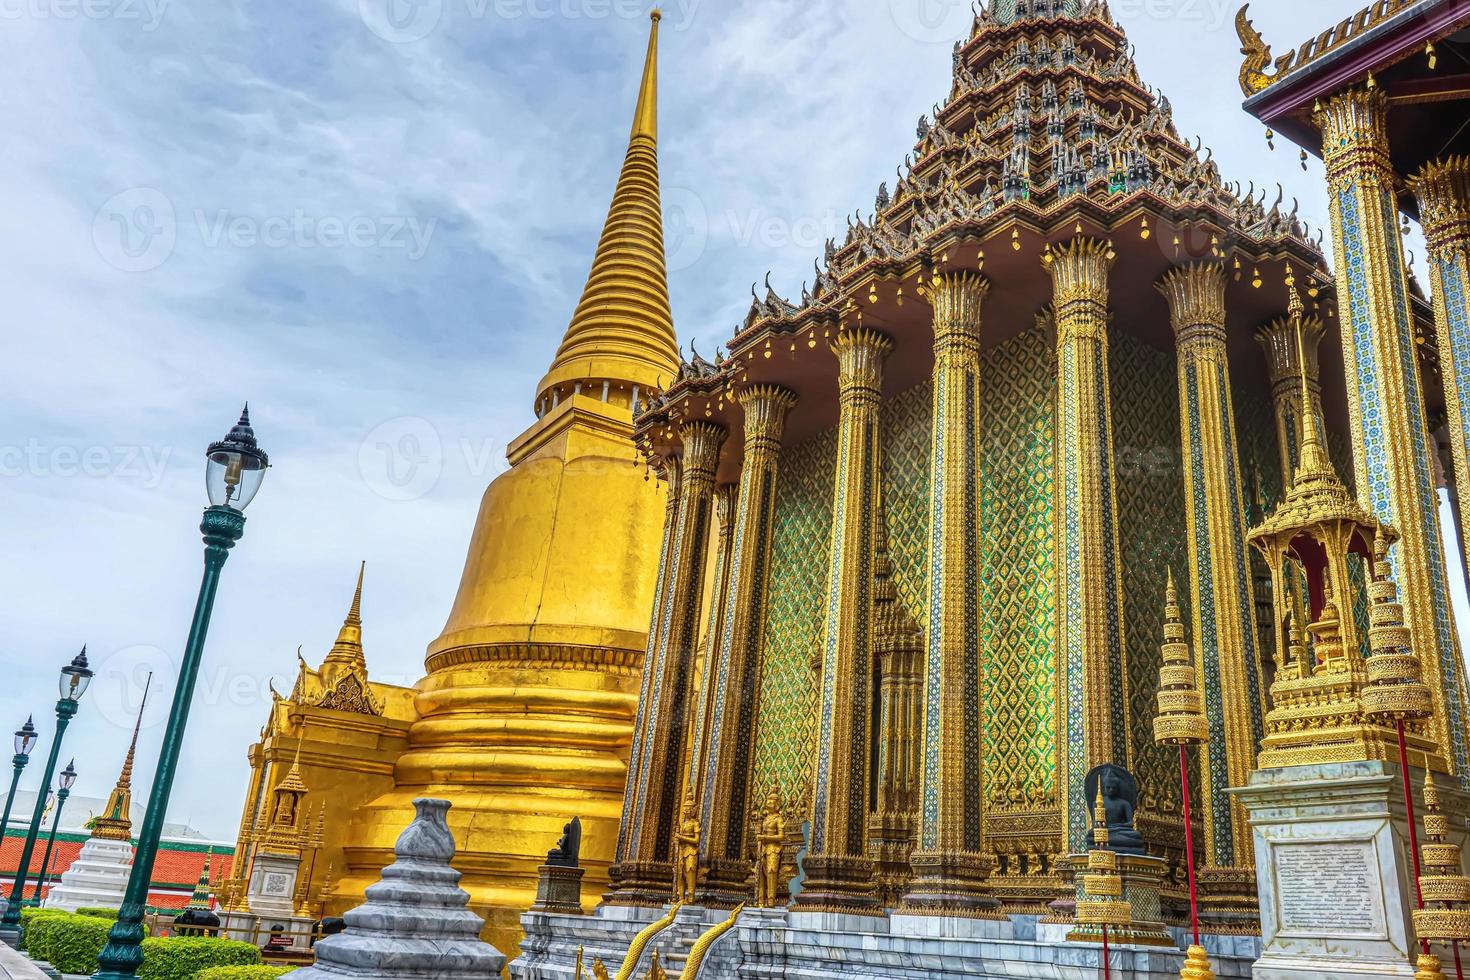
column 1047, row 132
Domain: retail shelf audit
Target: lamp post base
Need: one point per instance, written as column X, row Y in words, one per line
column 9, row 936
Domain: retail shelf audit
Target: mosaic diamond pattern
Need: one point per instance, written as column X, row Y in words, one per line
column 786, row 744
column 1150, row 530
column 1018, row 390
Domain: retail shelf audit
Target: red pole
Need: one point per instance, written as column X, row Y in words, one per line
column 1413, row 830
column 1107, row 967
column 1459, row 971
column 1189, row 841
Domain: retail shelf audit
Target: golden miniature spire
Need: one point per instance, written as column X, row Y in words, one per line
column 623, row 331
column 1181, row 717
column 1395, row 691
column 348, row 648
column 1102, row 902
column 1312, row 461
column 116, row 822
column 1445, row 888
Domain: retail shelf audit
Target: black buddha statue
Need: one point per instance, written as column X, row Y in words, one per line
column 1120, row 798
column 568, row 850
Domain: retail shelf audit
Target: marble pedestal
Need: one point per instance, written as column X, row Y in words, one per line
column 249, row 927
column 1333, row 876
column 97, row 879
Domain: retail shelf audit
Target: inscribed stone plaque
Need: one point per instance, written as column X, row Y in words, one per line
column 1328, row 888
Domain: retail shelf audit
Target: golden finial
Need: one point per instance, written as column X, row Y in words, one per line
column 1395, row 691
column 1181, row 715
column 348, row 648
column 116, row 822
column 623, row 330
column 1444, row 887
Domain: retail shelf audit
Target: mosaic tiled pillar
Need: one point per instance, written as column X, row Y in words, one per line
column 1279, row 343
column 656, row 774
column 1093, row 725
column 839, row 873
column 702, row 718
column 736, row 681
column 1443, row 189
column 1392, row 450
column 1215, row 514
column 660, row 603
column 950, row 871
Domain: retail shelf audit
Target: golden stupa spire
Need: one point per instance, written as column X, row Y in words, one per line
column 115, row 823
column 622, row 332
column 1313, row 460
column 348, row 648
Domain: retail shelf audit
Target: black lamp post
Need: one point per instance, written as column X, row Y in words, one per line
column 75, row 678
column 235, row 467
column 68, row 780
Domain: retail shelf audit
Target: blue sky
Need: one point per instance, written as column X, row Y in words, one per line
column 373, row 222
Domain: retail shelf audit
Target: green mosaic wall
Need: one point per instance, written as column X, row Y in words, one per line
column 786, row 742
column 1018, row 385
column 1150, row 485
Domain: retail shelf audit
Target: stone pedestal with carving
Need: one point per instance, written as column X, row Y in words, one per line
column 273, row 885
column 558, row 889
column 416, row 922
column 1333, row 875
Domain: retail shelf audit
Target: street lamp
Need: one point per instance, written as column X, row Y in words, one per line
column 25, row 742
column 234, row 470
column 68, row 780
column 75, row 677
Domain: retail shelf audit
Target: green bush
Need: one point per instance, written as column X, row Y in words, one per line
column 68, row 942
column 29, row 915
column 110, row 914
column 182, row 957
column 243, row 972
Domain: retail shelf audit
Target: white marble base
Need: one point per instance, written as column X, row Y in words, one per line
column 98, row 878
column 1333, row 874
column 272, row 888
column 777, row 944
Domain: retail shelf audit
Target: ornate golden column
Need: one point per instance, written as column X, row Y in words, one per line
column 1279, row 342
column 701, row 719
column 735, row 681
column 1392, row 451
column 1443, row 189
column 839, row 873
column 1093, row 725
column 950, row 871
column 644, row 874
column 1224, row 603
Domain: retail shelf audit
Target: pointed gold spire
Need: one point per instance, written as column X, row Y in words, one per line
column 623, row 330
column 1181, row 715
column 348, row 648
column 1313, row 460
column 116, row 823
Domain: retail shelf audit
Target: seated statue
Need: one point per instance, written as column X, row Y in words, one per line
column 1120, row 798
column 568, row 850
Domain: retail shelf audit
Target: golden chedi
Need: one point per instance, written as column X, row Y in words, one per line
column 1102, row 904
column 1181, row 718
column 525, row 716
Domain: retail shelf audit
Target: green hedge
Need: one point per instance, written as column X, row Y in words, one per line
column 29, row 915
column 95, row 913
column 182, row 957
column 243, row 973
column 68, row 942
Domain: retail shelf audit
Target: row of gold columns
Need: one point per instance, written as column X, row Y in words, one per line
column 950, row 869
column 1092, row 697
column 734, row 686
column 1392, row 450
column 644, row 869
column 839, row 873
column 1224, row 606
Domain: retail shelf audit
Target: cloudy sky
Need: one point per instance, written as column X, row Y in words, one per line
column 373, row 222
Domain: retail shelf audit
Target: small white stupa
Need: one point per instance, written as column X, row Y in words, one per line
column 99, row 876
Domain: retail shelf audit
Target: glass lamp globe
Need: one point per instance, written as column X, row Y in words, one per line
column 236, row 466
column 26, row 737
column 75, row 677
column 69, row 776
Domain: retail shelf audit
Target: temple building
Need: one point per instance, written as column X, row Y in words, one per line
column 930, row 510
column 525, row 715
